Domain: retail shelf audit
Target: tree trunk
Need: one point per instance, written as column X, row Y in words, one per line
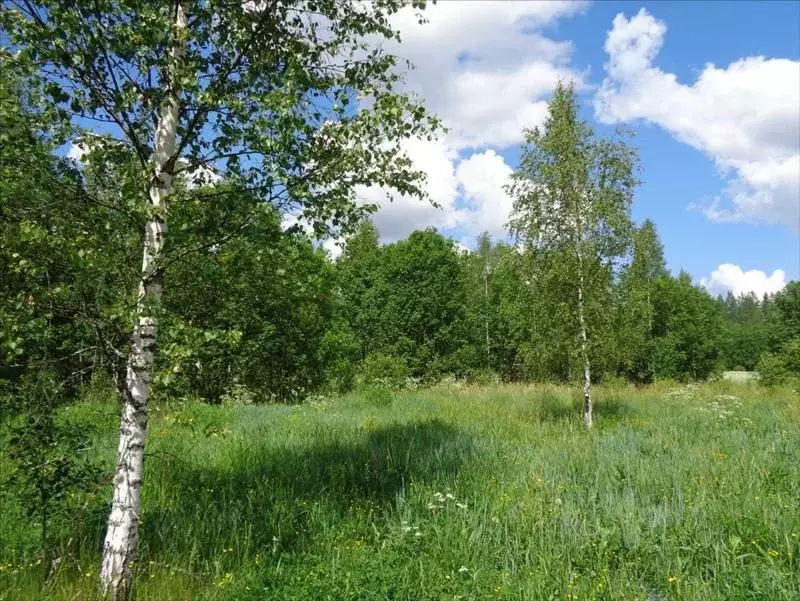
column 486, row 316
column 587, row 370
column 121, row 539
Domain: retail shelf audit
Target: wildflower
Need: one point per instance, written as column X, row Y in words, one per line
column 463, row 569
column 672, row 579
column 773, row 553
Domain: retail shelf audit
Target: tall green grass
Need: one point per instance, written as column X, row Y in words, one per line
column 453, row 493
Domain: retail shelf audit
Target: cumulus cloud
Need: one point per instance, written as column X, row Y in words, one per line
column 482, row 177
column 745, row 117
column 485, row 67
column 732, row 278
column 76, row 151
column 487, row 70
column 202, row 175
column 468, row 193
column 398, row 218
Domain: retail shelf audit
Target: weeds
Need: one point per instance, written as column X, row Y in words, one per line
column 455, row 493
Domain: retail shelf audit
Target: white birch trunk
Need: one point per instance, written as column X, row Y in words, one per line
column 486, row 315
column 121, row 539
column 587, row 370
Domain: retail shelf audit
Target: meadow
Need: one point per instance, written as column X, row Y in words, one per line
column 453, row 493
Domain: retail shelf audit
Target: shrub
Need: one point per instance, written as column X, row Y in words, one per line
column 384, row 371
column 779, row 368
column 238, row 395
column 483, row 377
column 52, row 468
column 772, row 370
column 339, row 353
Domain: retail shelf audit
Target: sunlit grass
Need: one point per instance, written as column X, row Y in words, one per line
column 456, row 493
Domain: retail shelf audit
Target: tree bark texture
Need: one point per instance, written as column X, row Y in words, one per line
column 122, row 533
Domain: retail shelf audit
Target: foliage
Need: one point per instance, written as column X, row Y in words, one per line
column 407, row 300
column 746, row 333
column 686, row 330
column 782, row 366
column 633, row 327
column 772, row 370
column 572, row 194
column 52, row 470
column 253, row 310
column 384, row 371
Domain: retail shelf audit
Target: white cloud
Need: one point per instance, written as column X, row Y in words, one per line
column 202, row 175
column 732, row 278
column 485, row 67
column 487, row 70
column 469, row 194
column 397, row 219
column 745, row 117
column 333, row 246
column 482, row 177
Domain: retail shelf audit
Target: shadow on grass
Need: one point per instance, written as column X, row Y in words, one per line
column 270, row 499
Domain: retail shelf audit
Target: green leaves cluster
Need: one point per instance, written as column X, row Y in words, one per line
column 294, row 100
column 408, row 300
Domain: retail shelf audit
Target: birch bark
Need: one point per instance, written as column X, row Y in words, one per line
column 122, row 533
column 587, row 370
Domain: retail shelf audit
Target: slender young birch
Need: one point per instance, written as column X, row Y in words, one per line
column 122, row 534
column 295, row 101
column 572, row 195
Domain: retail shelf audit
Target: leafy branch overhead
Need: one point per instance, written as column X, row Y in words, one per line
column 293, row 100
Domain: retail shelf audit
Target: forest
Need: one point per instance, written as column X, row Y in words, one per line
column 175, row 268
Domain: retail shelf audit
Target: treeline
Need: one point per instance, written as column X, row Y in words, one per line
column 270, row 317
column 423, row 307
column 266, row 315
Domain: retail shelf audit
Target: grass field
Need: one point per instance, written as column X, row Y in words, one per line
column 679, row 493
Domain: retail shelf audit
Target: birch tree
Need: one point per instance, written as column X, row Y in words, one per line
column 291, row 99
column 572, row 192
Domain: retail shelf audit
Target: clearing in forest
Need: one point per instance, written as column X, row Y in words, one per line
column 453, row 493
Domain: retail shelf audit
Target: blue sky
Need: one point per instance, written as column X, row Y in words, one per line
column 675, row 175
column 718, row 127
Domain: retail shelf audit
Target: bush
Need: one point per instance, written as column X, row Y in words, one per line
column 339, row 353
column 772, row 370
column 790, row 355
column 238, row 395
column 52, row 467
column 483, row 377
column 384, row 371
column 779, row 368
